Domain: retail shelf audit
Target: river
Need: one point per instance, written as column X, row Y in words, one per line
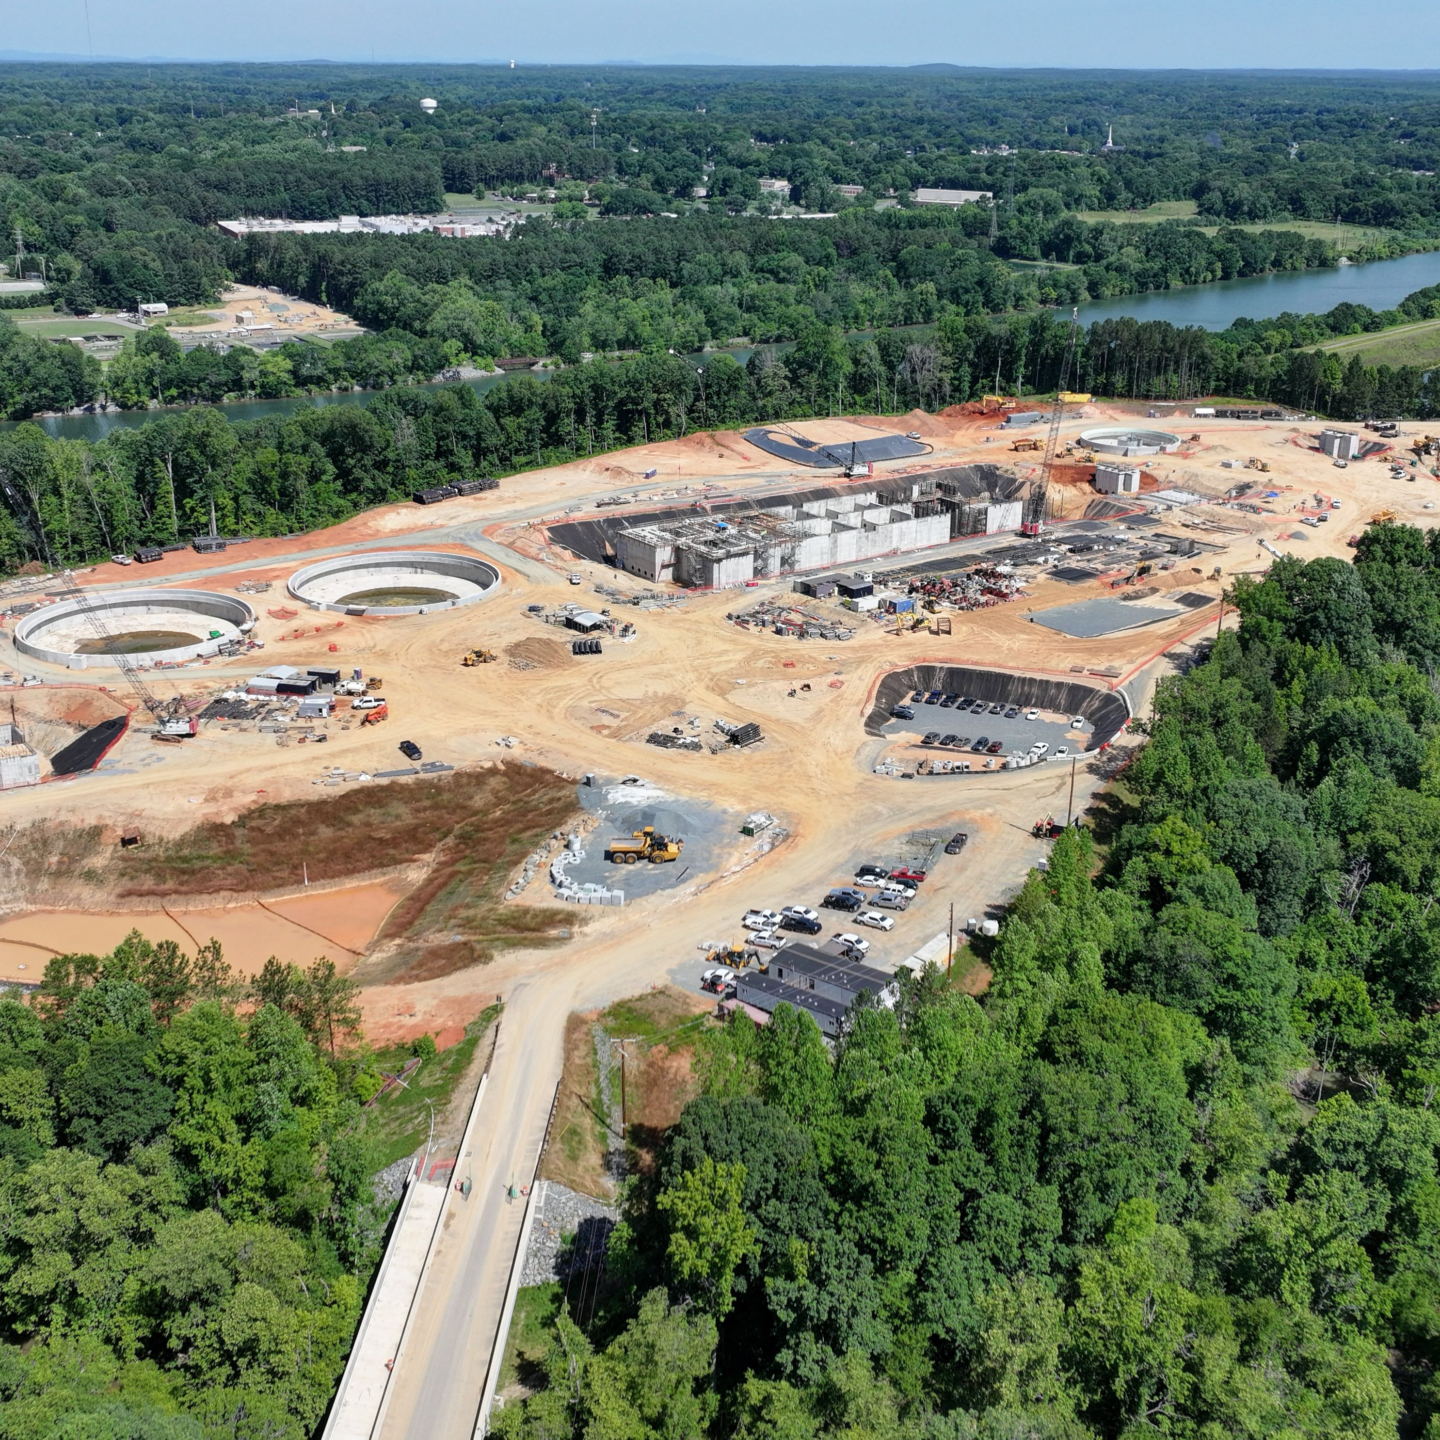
column 1381, row 284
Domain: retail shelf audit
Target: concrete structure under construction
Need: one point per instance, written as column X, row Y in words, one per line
column 394, row 582
column 149, row 627
column 1113, row 440
column 1340, row 444
column 1113, row 479
column 705, row 552
column 19, row 764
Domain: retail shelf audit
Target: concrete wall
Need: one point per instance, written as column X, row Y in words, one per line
column 644, row 557
column 1117, row 479
column 1003, row 517
column 129, row 608
column 22, row 767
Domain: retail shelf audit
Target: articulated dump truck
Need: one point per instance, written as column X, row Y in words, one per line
column 644, row 845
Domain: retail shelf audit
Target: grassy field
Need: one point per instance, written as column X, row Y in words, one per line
column 50, row 328
column 528, row 1344
column 1417, row 344
column 1161, row 210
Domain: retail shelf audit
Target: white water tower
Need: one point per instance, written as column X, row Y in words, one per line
column 429, row 106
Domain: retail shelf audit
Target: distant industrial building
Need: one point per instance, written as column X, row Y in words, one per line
column 1112, row 479
column 1340, row 444
column 705, row 552
column 364, row 225
column 774, row 187
column 928, row 196
column 19, row 764
column 850, row 192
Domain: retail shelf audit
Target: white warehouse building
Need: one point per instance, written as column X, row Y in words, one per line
column 709, row 552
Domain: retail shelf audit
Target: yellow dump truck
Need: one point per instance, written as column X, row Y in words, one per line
column 644, row 845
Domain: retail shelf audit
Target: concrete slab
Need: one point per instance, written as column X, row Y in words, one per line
column 1089, row 618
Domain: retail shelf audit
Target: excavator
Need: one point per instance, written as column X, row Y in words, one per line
column 477, row 657
column 644, row 844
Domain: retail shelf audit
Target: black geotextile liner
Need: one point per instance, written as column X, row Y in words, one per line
column 595, row 539
column 87, row 752
column 1106, row 710
column 800, row 451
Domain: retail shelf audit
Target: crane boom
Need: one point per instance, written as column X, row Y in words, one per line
column 1032, row 522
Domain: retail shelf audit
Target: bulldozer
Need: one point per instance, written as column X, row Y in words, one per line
column 644, row 844
column 477, row 657
column 374, row 683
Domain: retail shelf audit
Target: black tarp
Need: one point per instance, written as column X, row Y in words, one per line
column 86, row 752
column 800, row 451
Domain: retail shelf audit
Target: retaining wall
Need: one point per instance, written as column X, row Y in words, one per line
column 376, row 568
column 1107, row 710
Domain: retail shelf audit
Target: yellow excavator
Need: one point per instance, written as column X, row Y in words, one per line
column 644, row 845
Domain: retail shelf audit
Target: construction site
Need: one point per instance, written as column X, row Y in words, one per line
column 766, row 651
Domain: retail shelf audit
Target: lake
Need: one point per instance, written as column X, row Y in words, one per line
column 1381, row 284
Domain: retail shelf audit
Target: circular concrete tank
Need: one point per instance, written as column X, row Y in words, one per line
column 1121, row 440
column 394, row 582
column 150, row 627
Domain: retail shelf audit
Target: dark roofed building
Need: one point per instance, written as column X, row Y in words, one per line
column 806, row 967
column 764, row 992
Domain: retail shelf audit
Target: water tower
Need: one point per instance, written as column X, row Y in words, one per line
column 429, row 106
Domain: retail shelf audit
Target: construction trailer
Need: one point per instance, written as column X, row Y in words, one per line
column 822, row 972
column 765, row 993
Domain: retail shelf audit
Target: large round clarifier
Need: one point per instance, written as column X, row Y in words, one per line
column 394, row 582
column 149, row 627
column 1124, row 440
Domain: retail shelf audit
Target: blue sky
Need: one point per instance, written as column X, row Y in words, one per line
column 1244, row 34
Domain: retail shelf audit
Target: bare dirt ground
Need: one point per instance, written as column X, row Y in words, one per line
column 293, row 317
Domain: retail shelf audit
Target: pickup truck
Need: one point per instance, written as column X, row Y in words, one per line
column 761, row 919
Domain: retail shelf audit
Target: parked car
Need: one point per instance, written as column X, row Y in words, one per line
column 1078, row 723
column 902, row 712
column 918, row 698
column 897, row 887
column 995, row 747
column 1040, row 747
column 854, row 944
column 949, row 739
column 979, row 707
column 949, row 699
column 956, row 843
column 962, row 742
column 1062, row 752
column 367, row 702
column 761, row 919
column 997, row 709
column 801, row 924
column 906, row 873
column 718, row 981
column 966, row 703
column 980, row 744
column 875, row 920
column 843, row 900
column 892, row 900
column 871, row 872
column 1032, row 714
column 767, row 940
column 931, row 736
column 535, row 609
column 410, row 750
column 933, row 698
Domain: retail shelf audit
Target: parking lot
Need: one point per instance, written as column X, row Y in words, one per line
column 1013, row 734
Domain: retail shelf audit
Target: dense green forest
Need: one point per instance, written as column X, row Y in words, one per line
column 1176, row 1172
column 154, row 484
column 188, row 1227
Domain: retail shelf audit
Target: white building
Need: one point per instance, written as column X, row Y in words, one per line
column 927, row 196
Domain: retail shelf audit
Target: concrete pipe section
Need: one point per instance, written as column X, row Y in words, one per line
column 152, row 627
column 394, row 582
column 1120, row 440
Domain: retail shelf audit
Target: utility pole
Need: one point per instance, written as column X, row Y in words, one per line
column 950, row 948
column 624, row 1121
column 1070, row 803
